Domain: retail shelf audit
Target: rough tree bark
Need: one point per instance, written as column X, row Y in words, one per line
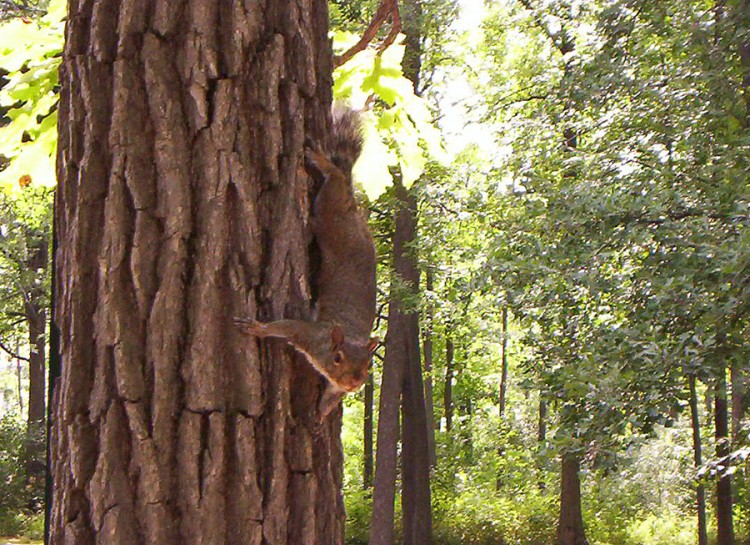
column 183, row 202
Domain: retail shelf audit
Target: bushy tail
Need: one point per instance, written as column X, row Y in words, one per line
column 346, row 137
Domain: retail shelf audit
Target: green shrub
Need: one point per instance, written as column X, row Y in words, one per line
column 34, row 526
column 662, row 529
column 358, row 513
column 12, row 474
column 21, row 496
column 483, row 517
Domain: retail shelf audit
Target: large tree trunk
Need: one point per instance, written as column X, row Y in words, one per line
column 570, row 525
column 700, row 492
column 182, row 203
column 724, row 524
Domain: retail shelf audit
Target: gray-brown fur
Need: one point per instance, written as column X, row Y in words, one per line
column 346, row 139
column 338, row 342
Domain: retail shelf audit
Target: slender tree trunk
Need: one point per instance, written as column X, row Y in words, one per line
column 19, row 379
column 415, row 459
column 503, row 363
column 742, row 17
column 570, row 525
column 53, row 389
column 724, row 524
column 395, row 363
column 739, row 396
column 402, row 379
column 698, row 458
column 503, row 382
column 183, row 203
column 36, row 318
column 428, row 366
column 542, row 439
column 542, row 424
column 386, row 458
column 402, row 345
column 739, row 400
column 35, row 438
column 570, row 529
column 448, row 389
column 708, row 404
column 368, row 432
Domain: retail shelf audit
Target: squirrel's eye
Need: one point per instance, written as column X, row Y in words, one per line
column 337, row 358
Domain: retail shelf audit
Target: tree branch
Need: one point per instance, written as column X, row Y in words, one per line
column 562, row 42
column 387, row 8
column 11, row 353
column 18, row 8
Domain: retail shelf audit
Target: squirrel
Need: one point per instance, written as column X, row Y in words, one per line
column 337, row 343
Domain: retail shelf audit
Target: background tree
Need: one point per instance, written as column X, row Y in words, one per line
column 26, row 219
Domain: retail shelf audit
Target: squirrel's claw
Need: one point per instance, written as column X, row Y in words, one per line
column 246, row 323
column 314, row 160
column 310, row 143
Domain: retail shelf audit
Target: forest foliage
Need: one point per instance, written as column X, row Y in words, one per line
column 594, row 188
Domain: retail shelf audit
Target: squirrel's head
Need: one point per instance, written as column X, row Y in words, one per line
column 349, row 363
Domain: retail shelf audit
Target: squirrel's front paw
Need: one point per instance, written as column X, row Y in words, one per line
column 248, row 325
column 316, row 163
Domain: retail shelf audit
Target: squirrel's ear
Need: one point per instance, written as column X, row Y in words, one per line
column 372, row 344
column 337, row 337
